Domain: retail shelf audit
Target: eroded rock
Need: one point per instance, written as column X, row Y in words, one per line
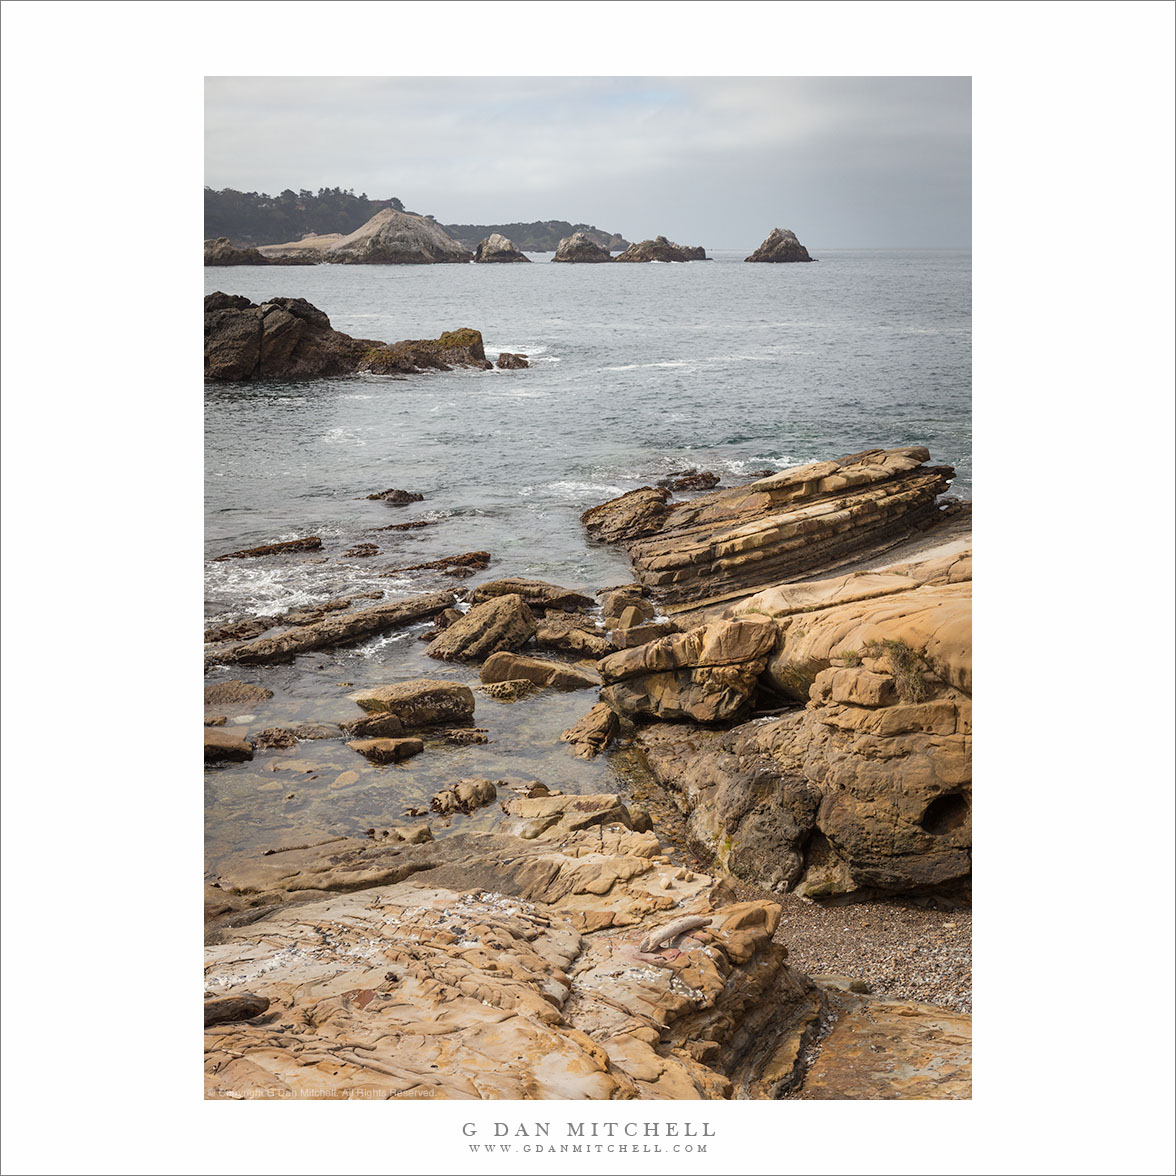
column 580, row 247
column 387, row 751
column 507, row 667
column 780, row 245
column 500, row 623
column 421, row 702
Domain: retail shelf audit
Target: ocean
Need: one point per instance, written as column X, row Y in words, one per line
column 637, row 371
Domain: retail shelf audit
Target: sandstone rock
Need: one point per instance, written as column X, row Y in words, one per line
column 474, row 560
column 387, row 751
column 731, row 543
column 580, row 247
column 659, row 249
column 464, row 796
column 235, row 693
column 310, row 543
column 497, row 248
column 506, row 667
column 216, row 720
column 421, row 702
column 243, row 1007
column 707, row 675
column 510, row 360
column 388, row 238
column 631, row 516
column 780, row 245
column 313, row 731
column 642, row 634
column 616, row 604
column 223, row 747
column 500, row 623
column 380, row 725
column 394, row 497
column 592, row 733
column 510, row 691
column 581, row 640
column 537, row 594
column 339, row 629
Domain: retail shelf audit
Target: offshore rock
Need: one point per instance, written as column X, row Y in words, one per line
column 730, row 543
column 422, row 702
column 510, row 360
column 288, row 338
column 500, row 623
column 497, row 248
column 221, row 251
column 310, row 543
column 336, row 629
column 780, row 245
column 659, row 249
column 388, row 238
column 707, row 675
column 580, row 247
column 395, row 497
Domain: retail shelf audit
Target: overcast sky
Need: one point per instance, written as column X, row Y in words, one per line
column 719, row 162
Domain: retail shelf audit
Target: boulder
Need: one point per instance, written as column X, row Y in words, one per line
column 288, row 338
column 508, row 360
column 510, row 691
column 508, row 667
column 580, row 247
column 464, row 797
column 388, row 238
column 707, row 675
column 394, row 497
column 335, row 629
column 379, row 725
column 659, row 249
column 310, row 543
column 361, row 551
column 780, row 245
column 642, row 634
column 421, row 702
column 497, row 248
column 222, row 746
column 572, row 633
column 690, row 480
column 591, row 734
column 731, row 543
column 235, row 693
column 387, row 751
column 538, row 595
column 631, row 516
column 275, row 738
column 501, row 623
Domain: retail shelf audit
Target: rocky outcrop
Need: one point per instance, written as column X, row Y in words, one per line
column 388, row 238
column 395, row 497
column 562, row 956
column 310, row 543
column 335, row 629
column 235, row 693
column 659, row 249
column 572, row 633
column 511, row 361
column 689, row 480
column 708, row 675
column 221, row 251
column 497, row 248
column 288, row 338
column 421, row 702
column 464, row 796
column 780, row 245
column 509, row 667
column 500, row 623
column 868, row 788
column 591, row 734
column 580, row 247
column 731, row 543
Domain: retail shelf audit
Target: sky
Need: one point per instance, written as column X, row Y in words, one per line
column 845, row 162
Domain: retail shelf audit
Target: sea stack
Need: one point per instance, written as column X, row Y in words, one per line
column 580, row 247
column 496, row 247
column 389, row 238
column 780, row 245
column 659, row 249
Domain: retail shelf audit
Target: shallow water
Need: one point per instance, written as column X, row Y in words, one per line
column 637, row 370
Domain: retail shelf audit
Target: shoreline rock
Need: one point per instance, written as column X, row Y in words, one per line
column 497, row 248
column 659, row 249
column 580, row 248
column 388, row 238
column 780, row 245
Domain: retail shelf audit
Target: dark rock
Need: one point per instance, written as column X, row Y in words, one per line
column 387, row 751
column 509, row 359
column 276, row 737
column 580, row 247
column 659, row 249
column 310, row 543
column 780, row 245
column 394, row 497
column 690, row 480
column 631, row 516
column 235, row 693
column 220, row 251
column 220, row 1010
column 362, row 551
column 477, row 560
column 222, row 747
column 412, row 526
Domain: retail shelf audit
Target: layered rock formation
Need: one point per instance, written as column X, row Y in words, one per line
column 659, row 249
column 389, row 238
column 579, row 247
column 497, row 248
column 288, row 338
column 780, row 245
column 869, row 786
column 730, row 543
